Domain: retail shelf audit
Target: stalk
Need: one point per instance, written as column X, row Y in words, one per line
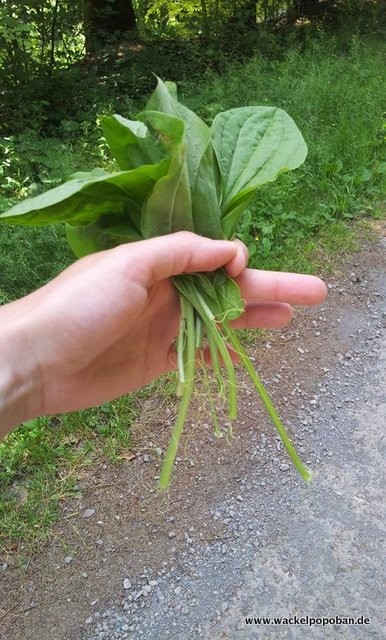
column 217, row 343
column 231, row 336
column 189, row 357
column 181, row 347
column 216, row 365
column 222, row 349
column 196, row 316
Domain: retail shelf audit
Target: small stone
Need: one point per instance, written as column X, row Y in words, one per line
column 172, row 534
column 126, row 583
column 284, row 466
column 87, row 513
column 68, row 559
column 301, row 350
column 224, row 607
column 89, row 620
column 177, row 591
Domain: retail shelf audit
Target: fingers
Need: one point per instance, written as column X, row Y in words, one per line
column 273, row 286
column 183, row 252
column 264, row 316
column 236, row 265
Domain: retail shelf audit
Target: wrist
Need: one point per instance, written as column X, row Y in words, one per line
column 20, row 377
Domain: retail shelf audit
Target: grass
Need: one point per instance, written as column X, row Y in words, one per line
column 42, row 461
column 334, row 88
column 335, row 91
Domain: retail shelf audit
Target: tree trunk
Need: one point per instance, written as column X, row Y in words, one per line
column 249, row 13
column 105, row 20
column 308, row 7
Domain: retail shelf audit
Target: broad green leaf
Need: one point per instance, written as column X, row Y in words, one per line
column 168, row 207
column 201, row 163
column 176, row 173
column 87, row 196
column 228, row 295
column 88, row 175
column 196, row 131
column 221, row 294
column 130, row 142
column 205, row 192
column 253, row 146
column 232, row 216
column 100, row 235
column 166, row 129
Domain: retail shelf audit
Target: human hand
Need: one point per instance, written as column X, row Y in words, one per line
column 105, row 326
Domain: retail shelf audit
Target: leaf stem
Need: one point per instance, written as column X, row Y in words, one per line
column 195, row 314
column 181, row 345
column 189, row 365
column 231, row 336
column 217, row 343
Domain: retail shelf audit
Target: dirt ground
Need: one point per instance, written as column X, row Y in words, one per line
column 120, row 526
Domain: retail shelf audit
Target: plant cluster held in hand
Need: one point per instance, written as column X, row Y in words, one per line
column 176, row 173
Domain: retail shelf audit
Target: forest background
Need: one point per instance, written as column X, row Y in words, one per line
column 62, row 63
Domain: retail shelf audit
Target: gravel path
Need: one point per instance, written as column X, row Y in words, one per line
column 288, row 549
column 241, row 535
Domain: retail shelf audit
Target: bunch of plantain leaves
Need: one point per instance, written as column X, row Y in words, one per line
column 176, row 173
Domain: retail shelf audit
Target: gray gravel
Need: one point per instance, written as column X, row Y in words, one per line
column 289, row 549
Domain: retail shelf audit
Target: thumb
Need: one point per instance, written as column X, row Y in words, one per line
column 182, row 252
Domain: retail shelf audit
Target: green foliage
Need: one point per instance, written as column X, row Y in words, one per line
column 253, row 145
column 48, row 77
column 175, row 166
column 337, row 100
column 29, row 165
column 38, row 36
column 334, row 88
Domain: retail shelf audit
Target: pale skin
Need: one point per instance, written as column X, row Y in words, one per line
column 106, row 325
